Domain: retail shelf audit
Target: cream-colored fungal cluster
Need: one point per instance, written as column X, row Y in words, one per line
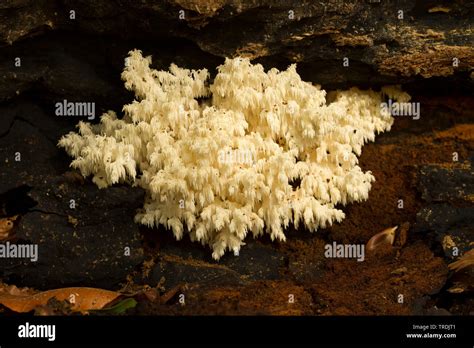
column 300, row 149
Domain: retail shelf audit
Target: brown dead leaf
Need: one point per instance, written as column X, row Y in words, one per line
column 167, row 296
column 81, row 299
column 464, row 261
column 6, row 225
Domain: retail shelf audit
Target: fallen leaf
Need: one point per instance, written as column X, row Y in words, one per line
column 170, row 294
column 386, row 237
column 464, row 261
column 81, row 299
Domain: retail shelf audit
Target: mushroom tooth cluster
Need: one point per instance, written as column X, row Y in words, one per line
column 270, row 150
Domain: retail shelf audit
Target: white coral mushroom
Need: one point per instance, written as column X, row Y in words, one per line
column 176, row 143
